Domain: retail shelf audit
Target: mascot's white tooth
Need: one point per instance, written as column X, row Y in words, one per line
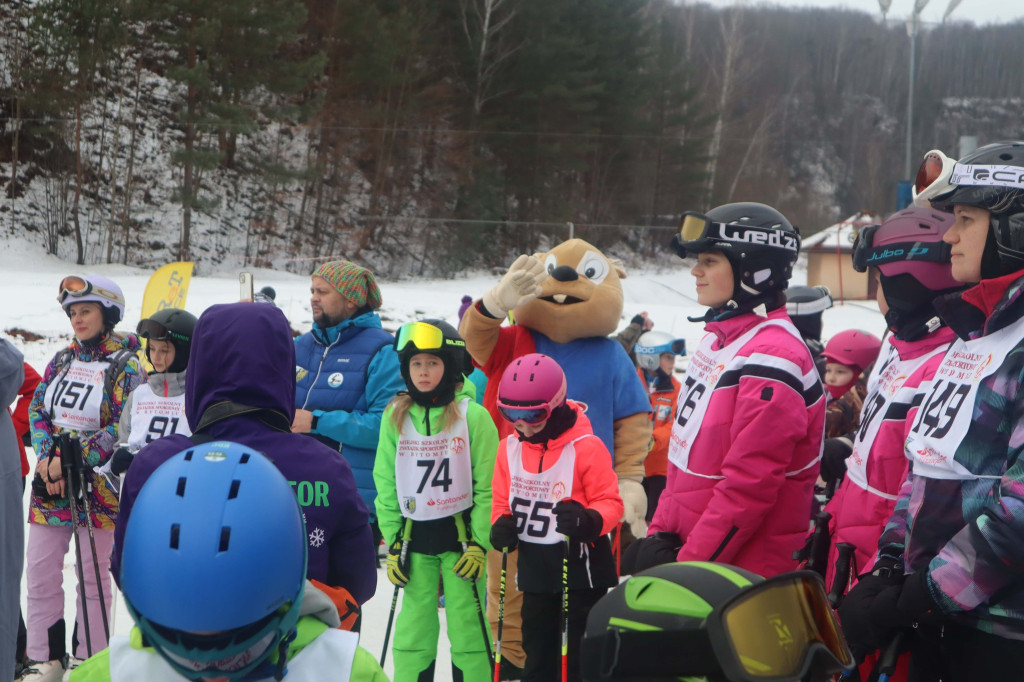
column 559, row 298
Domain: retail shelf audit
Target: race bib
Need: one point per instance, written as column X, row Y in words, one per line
column 948, row 406
column 434, row 474
column 703, row 373
column 154, row 417
column 533, row 496
column 74, row 399
column 886, row 389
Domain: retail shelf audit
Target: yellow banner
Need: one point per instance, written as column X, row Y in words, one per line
column 167, row 288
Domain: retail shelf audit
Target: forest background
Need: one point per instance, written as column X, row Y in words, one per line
column 428, row 137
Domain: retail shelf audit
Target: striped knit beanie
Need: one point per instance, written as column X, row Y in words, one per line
column 355, row 283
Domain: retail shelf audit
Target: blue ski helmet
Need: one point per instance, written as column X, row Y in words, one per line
column 214, row 561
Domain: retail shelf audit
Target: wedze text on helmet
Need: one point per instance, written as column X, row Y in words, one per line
column 738, row 233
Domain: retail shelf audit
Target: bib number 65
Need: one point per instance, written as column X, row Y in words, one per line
column 530, row 516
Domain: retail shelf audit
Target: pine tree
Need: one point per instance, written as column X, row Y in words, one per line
column 232, row 63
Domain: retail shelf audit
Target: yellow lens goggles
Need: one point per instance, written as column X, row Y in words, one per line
column 693, row 226
column 421, row 335
column 774, row 629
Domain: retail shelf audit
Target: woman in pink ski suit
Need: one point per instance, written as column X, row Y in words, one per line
column 745, row 446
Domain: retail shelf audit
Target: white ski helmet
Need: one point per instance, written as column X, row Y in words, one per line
column 651, row 345
column 81, row 289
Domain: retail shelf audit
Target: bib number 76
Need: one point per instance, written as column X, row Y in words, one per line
column 531, row 520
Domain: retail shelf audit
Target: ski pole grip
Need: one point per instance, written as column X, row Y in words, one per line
column 841, row 575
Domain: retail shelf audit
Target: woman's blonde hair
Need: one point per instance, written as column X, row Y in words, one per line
column 401, row 403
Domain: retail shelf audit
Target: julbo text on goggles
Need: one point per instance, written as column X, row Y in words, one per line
column 866, row 254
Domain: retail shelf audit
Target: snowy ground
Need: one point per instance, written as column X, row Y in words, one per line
column 29, row 281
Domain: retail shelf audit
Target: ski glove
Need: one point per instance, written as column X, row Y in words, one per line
column 855, row 612
column 120, row 461
column 901, row 606
column 521, row 284
column 661, row 548
column 574, row 520
column 398, row 570
column 470, row 565
column 504, row 534
column 833, row 460
column 634, row 502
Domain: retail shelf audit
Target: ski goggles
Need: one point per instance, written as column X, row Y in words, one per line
column 698, row 233
column 932, row 175
column 154, row 331
column 73, row 286
column 675, row 347
column 774, row 631
column 531, row 414
column 233, row 654
column 423, row 336
column 866, row 254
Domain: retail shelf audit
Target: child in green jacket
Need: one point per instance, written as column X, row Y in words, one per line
column 435, row 459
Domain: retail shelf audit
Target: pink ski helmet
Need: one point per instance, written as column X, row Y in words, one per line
column 853, row 348
column 909, row 243
column 531, row 387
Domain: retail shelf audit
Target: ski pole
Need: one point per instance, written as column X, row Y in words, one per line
column 69, row 489
column 81, row 472
column 406, row 536
column 841, row 575
column 460, row 526
column 565, row 609
column 501, row 614
column 887, row 663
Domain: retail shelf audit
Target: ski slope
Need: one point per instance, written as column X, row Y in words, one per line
column 29, row 281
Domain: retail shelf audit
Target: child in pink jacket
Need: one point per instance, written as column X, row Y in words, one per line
column 745, row 446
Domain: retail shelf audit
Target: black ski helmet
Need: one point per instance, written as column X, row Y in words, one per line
column 174, row 325
column 664, row 599
column 762, row 259
column 992, row 177
column 453, row 353
column 804, row 305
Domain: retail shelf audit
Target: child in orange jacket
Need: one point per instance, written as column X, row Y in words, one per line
column 555, row 497
column 656, row 356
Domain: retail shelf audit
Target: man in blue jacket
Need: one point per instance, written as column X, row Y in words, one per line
column 247, row 394
column 346, row 369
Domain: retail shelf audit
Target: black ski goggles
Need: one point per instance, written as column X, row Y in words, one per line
column 699, row 233
column 154, row 331
column 867, row 255
column 774, row 631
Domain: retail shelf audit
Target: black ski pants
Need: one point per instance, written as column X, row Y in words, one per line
column 542, row 633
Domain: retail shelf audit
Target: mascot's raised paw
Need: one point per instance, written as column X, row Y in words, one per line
column 520, row 285
column 634, row 502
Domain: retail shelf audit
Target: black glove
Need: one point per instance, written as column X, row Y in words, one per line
column 26, row 438
column 661, row 548
column 120, row 461
column 833, row 460
column 901, row 606
column 504, row 534
column 638, row 320
column 574, row 520
column 856, row 609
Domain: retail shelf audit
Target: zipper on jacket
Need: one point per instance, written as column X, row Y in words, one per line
column 319, row 367
column 426, row 420
column 721, row 548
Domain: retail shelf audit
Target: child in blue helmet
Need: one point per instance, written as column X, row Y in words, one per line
column 213, row 573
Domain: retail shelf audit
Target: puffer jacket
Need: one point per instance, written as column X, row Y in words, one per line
column 346, row 375
column 97, row 446
column 877, row 466
column 594, row 485
column 965, row 528
column 436, row 536
column 745, row 497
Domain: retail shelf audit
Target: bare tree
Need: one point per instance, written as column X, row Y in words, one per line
column 483, row 22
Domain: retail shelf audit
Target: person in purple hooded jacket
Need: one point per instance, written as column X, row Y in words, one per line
column 247, row 394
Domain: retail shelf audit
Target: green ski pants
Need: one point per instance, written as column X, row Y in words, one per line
column 417, row 626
